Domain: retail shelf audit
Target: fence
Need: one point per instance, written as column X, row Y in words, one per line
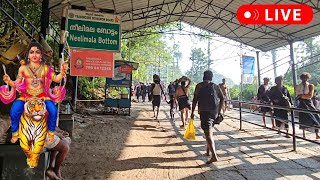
column 291, row 119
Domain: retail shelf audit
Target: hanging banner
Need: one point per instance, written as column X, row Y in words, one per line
column 91, row 63
column 248, row 65
column 94, row 30
column 248, row 79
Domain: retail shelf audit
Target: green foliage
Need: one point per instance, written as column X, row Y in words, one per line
column 124, row 90
column 89, row 88
column 115, row 92
column 192, row 89
column 199, row 65
column 248, row 91
column 307, row 57
column 317, row 88
column 31, row 10
column 28, row 8
column 234, row 92
column 151, row 52
column 291, row 90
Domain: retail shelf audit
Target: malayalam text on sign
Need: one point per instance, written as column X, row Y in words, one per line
column 93, row 30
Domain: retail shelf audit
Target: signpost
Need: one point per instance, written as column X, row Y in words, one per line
column 93, row 38
column 93, row 30
column 122, row 81
column 91, row 63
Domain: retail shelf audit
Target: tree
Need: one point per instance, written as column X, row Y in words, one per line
column 174, row 67
column 151, row 52
column 248, row 91
column 234, row 92
column 217, row 78
column 199, row 65
column 308, row 58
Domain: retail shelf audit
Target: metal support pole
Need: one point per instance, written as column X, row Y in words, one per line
column 62, row 31
column 241, row 86
column 258, row 66
column 129, row 49
column 293, row 65
column 44, row 18
column 105, row 90
column 159, row 68
column 209, row 54
column 76, row 94
column 92, row 87
column 274, row 57
column 240, row 115
column 294, row 143
column 61, row 47
column 130, row 94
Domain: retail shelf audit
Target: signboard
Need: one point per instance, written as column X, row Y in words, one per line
column 94, row 30
column 126, row 69
column 91, row 63
column 248, row 65
column 248, row 79
column 122, row 75
column 117, row 111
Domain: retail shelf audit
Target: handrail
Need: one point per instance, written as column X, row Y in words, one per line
column 274, row 129
column 279, row 119
column 58, row 35
column 283, row 108
column 289, row 109
column 15, row 10
column 26, row 22
column 277, row 107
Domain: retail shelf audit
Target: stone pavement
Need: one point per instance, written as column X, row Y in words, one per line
column 148, row 150
column 254, row 153
column 257, row 119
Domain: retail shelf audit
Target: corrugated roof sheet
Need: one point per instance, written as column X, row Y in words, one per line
column 216, row 16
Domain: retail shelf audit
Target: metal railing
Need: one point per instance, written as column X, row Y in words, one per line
column 290, row 119
column 18, row 18
column 13, row 13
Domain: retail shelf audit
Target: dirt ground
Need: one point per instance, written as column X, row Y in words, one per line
column 123, row 147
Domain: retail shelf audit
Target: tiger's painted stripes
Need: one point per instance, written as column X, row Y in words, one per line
column 33, row 131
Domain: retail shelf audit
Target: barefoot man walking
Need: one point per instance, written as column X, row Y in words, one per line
column 210, row 99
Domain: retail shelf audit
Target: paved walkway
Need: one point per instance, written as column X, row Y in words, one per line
column 257, row 119
column 141, row 149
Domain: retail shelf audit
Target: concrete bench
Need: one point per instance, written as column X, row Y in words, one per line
column 13, row 165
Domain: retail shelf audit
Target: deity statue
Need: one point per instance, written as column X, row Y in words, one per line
column 34, row 114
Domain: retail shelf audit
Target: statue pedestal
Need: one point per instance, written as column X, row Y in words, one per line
column 13, row 165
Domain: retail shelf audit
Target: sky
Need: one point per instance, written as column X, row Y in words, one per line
column 225, row 54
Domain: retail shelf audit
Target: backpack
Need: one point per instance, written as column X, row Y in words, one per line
column 208, row 97
column 171, row 89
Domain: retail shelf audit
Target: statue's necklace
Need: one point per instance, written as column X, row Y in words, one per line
column 35, row 81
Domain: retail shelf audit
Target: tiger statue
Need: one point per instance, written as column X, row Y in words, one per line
column 33, row 129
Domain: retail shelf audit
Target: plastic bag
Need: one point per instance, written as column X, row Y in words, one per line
column 190, row 133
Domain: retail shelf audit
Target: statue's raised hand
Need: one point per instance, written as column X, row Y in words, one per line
column 64, row 67
column 6, row 78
